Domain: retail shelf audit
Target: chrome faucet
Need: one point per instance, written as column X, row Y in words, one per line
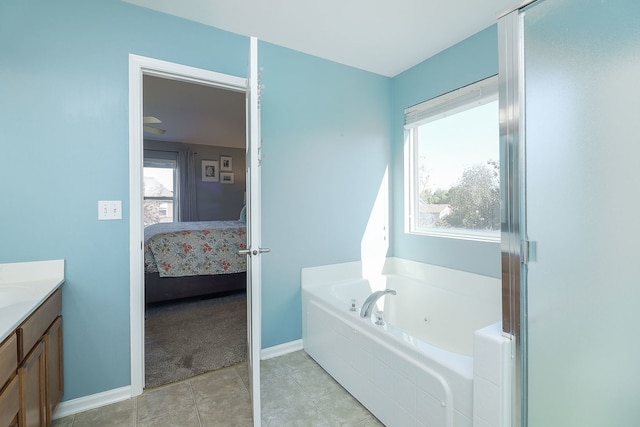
column 367, row 307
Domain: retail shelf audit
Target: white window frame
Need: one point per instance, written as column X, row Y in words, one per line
column 459, row 100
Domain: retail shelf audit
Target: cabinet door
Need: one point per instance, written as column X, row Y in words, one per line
column 8, row 358
column 53, row 350
column 33, row 406
column 9, row 403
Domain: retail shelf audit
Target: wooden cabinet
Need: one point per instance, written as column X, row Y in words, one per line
column 10, row 403
column 31, row 368
column 40, row 373
column 9, row 387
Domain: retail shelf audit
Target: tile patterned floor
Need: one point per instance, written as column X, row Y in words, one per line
column 295, row 390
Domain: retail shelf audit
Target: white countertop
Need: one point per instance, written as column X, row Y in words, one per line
column 23, row 287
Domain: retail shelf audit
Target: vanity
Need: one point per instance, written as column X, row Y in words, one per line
column 31, row 381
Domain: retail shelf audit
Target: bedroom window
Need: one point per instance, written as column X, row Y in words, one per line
column 159, row 190
column 452, row 176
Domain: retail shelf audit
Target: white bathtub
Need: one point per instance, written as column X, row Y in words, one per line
column 417, row 369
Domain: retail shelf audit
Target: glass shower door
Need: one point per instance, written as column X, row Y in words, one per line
column 582, row 109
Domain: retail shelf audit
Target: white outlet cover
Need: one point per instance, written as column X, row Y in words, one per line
column 109, row 209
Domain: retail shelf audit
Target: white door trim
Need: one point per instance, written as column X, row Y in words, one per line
column 139, row 66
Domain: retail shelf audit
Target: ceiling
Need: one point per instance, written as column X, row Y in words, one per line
column 193, row 113
column 381, row 36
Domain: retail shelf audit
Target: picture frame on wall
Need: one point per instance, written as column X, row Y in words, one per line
column 226, row 177
column 210, row 171
column 226, row 163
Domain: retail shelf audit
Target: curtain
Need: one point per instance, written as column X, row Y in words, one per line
column 186, row 186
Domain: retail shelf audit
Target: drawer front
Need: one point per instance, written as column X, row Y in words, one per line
column 37, row 324
column 8, row 358
column 9, row 402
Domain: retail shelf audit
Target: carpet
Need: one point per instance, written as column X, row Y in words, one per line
column 187, row 338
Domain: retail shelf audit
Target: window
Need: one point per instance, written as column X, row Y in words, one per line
column 159, row 190
column 452, row 181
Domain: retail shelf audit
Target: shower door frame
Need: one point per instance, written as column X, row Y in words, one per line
column 516, row 249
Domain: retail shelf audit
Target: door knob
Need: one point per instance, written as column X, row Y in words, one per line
column 253, row 252
column 261, row 251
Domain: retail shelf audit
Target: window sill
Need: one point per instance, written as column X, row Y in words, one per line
column 458, row 234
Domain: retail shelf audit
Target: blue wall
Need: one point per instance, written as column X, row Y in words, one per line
column 469, row 61
column 64, row 136
column 325, row 131
column 64, row 140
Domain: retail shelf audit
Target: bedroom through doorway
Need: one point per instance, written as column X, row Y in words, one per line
column 194, row 196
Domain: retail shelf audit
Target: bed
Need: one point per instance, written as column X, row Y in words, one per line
column 187, row 259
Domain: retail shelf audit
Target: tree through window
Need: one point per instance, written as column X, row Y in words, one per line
column 452, row 164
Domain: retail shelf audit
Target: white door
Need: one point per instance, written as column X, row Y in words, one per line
column 139, row 66
column 254, row 250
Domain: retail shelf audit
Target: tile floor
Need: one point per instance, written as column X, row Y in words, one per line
column 295, row 390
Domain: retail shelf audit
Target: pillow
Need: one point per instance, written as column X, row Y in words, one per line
column 243, row 214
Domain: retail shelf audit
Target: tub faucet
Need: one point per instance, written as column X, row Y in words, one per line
column 367, row 307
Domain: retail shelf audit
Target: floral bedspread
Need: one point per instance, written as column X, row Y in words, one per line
column 195, row 248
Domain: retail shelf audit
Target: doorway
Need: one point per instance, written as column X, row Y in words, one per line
column 139, row 67
column 195, row 318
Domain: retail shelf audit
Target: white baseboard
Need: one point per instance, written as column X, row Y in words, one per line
column 93, row 401
column 281, row 349
column 97, row 400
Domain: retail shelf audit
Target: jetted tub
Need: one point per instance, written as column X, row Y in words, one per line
column 417, row 369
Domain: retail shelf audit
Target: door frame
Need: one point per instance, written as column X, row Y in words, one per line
column 254, row 235
column 516, row 249
column 140, row 66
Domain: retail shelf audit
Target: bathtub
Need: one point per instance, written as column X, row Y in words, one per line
column 417, row 369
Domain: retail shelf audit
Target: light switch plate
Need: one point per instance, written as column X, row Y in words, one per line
column 109, row 209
